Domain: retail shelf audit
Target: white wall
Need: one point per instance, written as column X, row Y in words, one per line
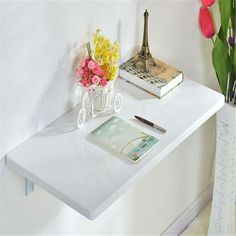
column 39, row 44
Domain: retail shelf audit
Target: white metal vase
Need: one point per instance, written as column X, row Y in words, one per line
column 222, row 220
column 100, row 99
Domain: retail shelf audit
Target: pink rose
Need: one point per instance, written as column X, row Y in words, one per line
column 97, row 70
column 83, row 82
column 83, row 63
column 79, row 72
column 91, row 64
column 103, row 81
column 86, row 73
column 95, row 80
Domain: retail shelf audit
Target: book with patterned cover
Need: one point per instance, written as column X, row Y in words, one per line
column 159, row 80
column 124, row 138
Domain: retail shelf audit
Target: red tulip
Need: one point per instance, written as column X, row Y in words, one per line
column 208, row 3
column 206, row 22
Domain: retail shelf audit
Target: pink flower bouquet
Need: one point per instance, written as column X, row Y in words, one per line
column 90, row 73
column 101, row 64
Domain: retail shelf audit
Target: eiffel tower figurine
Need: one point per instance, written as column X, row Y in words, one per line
column 145, row 55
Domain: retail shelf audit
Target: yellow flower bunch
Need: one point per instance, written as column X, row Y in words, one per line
column 106, row 53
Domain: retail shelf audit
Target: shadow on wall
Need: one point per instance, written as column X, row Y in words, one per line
column 67, row 94
column 59, row 95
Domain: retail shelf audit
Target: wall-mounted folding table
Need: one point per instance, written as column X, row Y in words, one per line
column 62, row 161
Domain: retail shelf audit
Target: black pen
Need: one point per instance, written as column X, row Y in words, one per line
column 147, row 122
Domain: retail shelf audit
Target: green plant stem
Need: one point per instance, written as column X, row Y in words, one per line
column 89, row 50
column 213, row 41
column 214, row 24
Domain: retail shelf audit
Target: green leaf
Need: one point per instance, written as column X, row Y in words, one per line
column 234, row 59
column 233, row 14
column 225, row 12
column 221, row 63
column 221, row 34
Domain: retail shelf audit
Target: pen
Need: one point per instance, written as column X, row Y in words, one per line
column 147, row 122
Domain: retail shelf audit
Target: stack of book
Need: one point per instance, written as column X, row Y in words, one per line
column 159, row 80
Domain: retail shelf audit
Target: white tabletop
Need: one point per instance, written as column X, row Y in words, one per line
column 61, row 160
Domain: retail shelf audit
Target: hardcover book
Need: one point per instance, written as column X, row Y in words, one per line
column 124, row 138
column 160, row 79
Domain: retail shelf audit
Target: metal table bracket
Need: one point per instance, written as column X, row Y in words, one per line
column 29, row 187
